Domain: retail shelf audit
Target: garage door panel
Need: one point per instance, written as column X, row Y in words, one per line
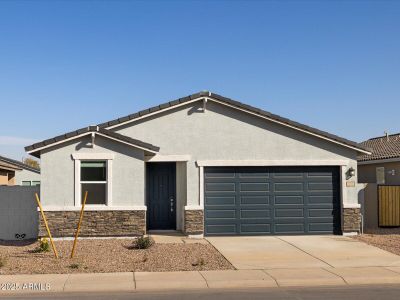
column 255, row 213
column 221, row 214
column 253, row 174
column 254, row 200
column 320, row 227
column 287, row 175
column 321, row 199
column 255, row 228
column 220, row 200
column 285, row 228
column 320, row 213
column 320, row 186
column 225, row 229
column 254, row 187
column 288, row 199
column 288, row 187
column 274, row 200
column 288, row 212
column 220, row 173
column 220, row 187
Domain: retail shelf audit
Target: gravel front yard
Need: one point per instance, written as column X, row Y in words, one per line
column 109, row 255
column 388, row 242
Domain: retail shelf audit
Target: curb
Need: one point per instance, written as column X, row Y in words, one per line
column 194, row 280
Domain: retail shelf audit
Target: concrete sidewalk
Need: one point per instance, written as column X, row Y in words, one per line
column 140, row 281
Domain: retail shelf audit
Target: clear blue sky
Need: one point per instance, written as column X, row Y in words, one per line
column 69, row 64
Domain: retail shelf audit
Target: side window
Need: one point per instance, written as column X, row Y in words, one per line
column 35, row 182
column 94, row 180
column 380, row 175
column 26, row 183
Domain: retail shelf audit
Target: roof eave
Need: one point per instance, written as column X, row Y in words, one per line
column 143, row 146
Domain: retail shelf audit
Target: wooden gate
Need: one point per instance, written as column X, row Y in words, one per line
column 389, row 205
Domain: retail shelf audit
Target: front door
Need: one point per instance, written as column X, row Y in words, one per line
column 161, row 196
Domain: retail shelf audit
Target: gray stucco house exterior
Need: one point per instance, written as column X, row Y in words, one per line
column 202, row 164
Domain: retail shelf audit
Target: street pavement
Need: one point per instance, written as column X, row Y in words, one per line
column 376, row 292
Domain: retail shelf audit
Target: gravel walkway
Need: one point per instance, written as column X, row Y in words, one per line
column 388, row 242
column 109, row 255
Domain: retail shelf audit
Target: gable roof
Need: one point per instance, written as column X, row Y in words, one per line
column 382, row 147
column 238, row 105
column 35, row 148
column 17, row 165
column 205, row 95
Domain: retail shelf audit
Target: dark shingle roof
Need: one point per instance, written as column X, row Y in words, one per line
column 383, row 147
column 19, row 164
column 236, row 104
column 212, row 96
column 90, row 129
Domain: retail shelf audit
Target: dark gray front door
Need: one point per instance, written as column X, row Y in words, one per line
column 272, row 200
column 161, row 196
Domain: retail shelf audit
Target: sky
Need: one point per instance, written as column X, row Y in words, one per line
column 334, row 65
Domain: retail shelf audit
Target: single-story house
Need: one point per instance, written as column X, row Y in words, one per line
column 380, row 172
column 202, row 164
column 13, row 172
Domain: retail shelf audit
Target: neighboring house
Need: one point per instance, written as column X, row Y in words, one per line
column 380, row 172
column 13, row 172
column 203, row 164
column 383, row 165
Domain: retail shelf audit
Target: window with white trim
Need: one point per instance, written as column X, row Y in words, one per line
column 94, row 181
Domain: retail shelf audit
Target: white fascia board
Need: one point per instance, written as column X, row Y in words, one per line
column 89, row 133
column 379, row 161
column 59, row 142
column 89, row 207
column 166, row 158
column 252, row 163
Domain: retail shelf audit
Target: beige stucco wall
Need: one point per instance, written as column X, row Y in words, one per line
column 3, row 177
column 367, row 173
column 223, row 133
column 57, row 172
column 26, row 175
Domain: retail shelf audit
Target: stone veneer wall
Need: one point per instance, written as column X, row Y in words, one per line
column 194, row 222
column 351, row 220
column 94, row 223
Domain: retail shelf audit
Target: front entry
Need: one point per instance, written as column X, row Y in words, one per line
column 161, row 196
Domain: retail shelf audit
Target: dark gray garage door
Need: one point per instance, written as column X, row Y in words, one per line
column 271, row 200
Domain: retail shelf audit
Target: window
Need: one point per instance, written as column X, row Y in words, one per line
column 380, row 175
column 94, row 181
column 35, row 182
column 26, row 183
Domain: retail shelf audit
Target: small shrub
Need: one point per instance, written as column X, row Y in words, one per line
column 198, row 262
column 143, row 242
column 44, row 246
column 73, row 266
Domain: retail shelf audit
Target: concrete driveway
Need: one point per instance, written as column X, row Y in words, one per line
column 302, row 252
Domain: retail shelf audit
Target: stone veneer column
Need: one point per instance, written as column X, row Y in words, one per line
column 194, row 222
column 351, row 220
column 95, row 223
